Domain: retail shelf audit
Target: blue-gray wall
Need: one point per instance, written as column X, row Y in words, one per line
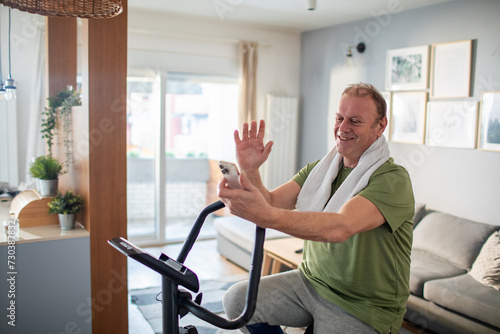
column 463, row 182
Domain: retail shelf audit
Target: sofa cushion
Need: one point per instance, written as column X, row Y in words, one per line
column 242, row 231
column 420, row 212
column 425, row 267
column 465, row 295
column 486, row 268
column 452, row 239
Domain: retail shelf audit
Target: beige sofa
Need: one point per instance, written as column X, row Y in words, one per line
column 449, row 290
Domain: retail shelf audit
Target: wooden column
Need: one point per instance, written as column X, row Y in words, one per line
column 61, row 72
column 104, row 74
column 61, row 40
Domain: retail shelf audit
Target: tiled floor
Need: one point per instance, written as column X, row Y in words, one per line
column 136, row 322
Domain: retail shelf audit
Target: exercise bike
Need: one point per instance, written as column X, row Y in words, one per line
column 177, row 302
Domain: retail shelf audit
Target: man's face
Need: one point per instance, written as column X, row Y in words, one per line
column 357, row 126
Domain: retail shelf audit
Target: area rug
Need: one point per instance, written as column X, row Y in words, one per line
column 147, row 300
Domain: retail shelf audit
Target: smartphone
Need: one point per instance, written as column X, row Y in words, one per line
column 230, row 173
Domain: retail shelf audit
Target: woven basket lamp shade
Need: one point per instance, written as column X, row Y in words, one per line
column 87, row 9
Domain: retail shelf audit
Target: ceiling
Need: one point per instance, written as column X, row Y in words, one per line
column 288, row 14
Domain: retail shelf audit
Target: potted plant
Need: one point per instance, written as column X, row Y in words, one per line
column 59, row 110
column 46, row 171
column 66, row 206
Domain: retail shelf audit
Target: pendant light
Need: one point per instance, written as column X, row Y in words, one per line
column 86, row 9
column 10, row 88
column 2, row 86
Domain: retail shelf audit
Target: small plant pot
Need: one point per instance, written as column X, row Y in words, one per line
column 66, row 221
column 47, row 188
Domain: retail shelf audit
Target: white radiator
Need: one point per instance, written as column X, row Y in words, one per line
column 282, row 120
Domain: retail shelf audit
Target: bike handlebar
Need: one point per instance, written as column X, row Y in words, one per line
column 251, row 296
column 195, row 230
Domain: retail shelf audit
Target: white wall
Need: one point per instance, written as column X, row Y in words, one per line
column 176, row 43
column 463, row 182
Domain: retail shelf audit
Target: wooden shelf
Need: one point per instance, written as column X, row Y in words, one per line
column 46, row 233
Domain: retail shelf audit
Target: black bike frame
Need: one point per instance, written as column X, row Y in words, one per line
column 174, row 300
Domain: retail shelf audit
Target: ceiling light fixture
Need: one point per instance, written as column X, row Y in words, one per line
column 311, row 4
column 86, row 9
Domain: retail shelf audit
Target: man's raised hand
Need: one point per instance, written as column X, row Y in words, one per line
column 251, row 152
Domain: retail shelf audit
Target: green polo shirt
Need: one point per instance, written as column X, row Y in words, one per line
column 368, row 275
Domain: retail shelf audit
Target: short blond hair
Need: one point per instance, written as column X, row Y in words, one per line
column 363, row 89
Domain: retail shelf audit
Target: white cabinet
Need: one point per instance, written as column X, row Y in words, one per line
column 45, row 286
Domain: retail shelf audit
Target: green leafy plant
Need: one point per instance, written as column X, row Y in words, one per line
column 60, row 107
column 49, row 124
column 66, row 95
column 45, row 168
column 68, row 203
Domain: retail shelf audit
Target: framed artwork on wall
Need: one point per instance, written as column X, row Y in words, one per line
column 407, row 68
column 489, row 130
column 387, row 98
column 451, row 124
column 451, row 69
column 408, row 117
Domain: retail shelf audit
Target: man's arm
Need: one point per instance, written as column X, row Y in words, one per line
column 285, row 196
column 357, row 215
column 251, row 153
column 273, row 209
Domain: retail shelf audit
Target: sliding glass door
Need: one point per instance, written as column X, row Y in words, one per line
column 179, row 126
column 142, row 112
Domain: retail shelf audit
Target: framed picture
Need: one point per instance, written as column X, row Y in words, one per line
column 407, row 69
column 408, row 117
column 452, row 124
column 387, row 97
column 451, row 69
column 489, row 133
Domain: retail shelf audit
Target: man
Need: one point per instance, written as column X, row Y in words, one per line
column 354, row 211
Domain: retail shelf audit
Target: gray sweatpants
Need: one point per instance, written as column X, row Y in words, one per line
column 288, row 299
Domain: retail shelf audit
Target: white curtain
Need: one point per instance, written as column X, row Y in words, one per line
column 35, row 144
column 247, row 53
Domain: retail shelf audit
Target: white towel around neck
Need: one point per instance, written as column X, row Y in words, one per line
column 318, row 186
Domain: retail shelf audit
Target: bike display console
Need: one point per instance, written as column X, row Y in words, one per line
column 165, row 266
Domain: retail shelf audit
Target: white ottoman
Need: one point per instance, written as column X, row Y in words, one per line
column 235, row 239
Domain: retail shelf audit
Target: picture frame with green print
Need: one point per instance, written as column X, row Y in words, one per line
column 407, row 68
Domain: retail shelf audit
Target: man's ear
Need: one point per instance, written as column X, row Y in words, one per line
column 381, row 124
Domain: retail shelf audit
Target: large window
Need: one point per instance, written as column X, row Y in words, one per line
column 179, row 126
